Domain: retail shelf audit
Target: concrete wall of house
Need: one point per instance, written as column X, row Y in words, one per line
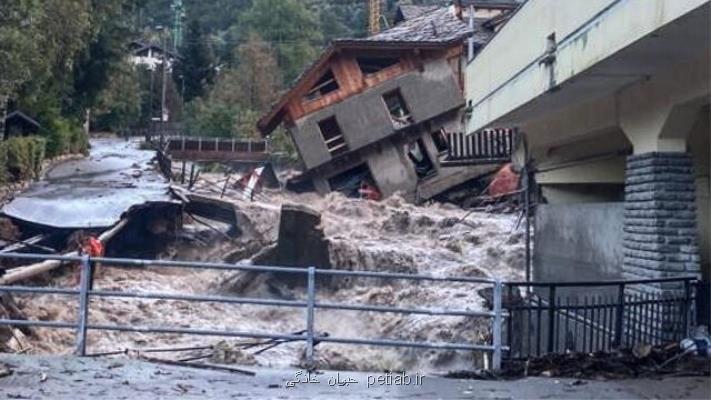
column 393, row 171
column 364, row 118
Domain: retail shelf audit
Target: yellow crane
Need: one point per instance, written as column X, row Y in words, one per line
column 373, row 16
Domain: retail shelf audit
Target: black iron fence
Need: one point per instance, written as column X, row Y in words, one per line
column 557, row 317
column 489, row 146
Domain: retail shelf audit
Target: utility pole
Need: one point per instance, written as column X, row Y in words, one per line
column 178, row 15
column 163, row 117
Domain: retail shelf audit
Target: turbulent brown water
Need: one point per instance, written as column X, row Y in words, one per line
column 391, row 235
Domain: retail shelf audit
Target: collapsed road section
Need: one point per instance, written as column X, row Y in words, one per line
column 115, row 192
column 93, row 192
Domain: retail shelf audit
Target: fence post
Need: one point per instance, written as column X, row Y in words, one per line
column 310, row 300
column 686, row 307
column 551, row 318
column 498, row 320
column 619, row 314
column 85, row 282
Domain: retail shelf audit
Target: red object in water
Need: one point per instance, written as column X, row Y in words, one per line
column 94, row 247
column 369, row 192
column 505, row 181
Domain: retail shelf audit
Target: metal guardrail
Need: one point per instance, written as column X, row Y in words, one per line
column 597, row 315
column 85, row 293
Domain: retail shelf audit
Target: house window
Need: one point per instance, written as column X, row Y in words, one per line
column 324, row 86
column 332, row 136
column 399, row 113
column 420, row 159
column 371, row 65
column 440, row 140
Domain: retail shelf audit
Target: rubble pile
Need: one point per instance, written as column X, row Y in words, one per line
column 642, row 361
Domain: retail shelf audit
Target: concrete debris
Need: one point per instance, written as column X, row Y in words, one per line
column 301, row 240
column 5, row 370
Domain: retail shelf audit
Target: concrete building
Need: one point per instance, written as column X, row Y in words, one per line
column 613, row 97
column 376, row 111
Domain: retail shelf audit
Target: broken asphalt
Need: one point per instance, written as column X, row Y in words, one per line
column 66, row 377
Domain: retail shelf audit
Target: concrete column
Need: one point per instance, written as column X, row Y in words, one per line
column 321, row 185
column 660, row 236
column 660, row 217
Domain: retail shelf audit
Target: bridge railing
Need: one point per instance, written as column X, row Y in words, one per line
column 206, row 144
column 310, row 304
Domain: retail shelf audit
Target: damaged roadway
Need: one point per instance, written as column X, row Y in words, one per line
column 92, row 192
column 70, row 378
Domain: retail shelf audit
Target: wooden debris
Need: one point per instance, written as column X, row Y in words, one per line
column 209, row 366
column 22, row 273
column 643, row 362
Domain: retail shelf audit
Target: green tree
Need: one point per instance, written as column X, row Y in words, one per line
column 196, row 67
column 290, row 27
column 20, row 51
column 119, row 104
column 111, row 29
column 255, row 83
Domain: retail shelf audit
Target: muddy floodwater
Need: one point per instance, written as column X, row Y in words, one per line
column 390, row 235
column 385, row 236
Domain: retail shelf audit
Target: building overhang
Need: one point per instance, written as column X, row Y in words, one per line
column 620, row 44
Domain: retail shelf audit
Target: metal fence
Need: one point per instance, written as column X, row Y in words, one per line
column 483, row 147
column 85, row 293
column 596, row 316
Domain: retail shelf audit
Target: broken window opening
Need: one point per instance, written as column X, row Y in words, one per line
column 440, row 140
column 371, row 65
column 324, row 86
column 417, row 153
column 356, row 182
column 333, row 136
column 399, row 113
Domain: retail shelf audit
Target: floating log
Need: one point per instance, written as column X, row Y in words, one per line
column 21, row 273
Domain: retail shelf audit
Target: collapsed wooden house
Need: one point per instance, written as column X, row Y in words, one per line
column 374, row 114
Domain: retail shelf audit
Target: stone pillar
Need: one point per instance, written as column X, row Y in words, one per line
column 660, row 236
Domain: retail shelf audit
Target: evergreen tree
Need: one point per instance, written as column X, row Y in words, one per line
column 196, row 67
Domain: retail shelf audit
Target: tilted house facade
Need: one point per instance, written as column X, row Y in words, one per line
column 376, row 111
